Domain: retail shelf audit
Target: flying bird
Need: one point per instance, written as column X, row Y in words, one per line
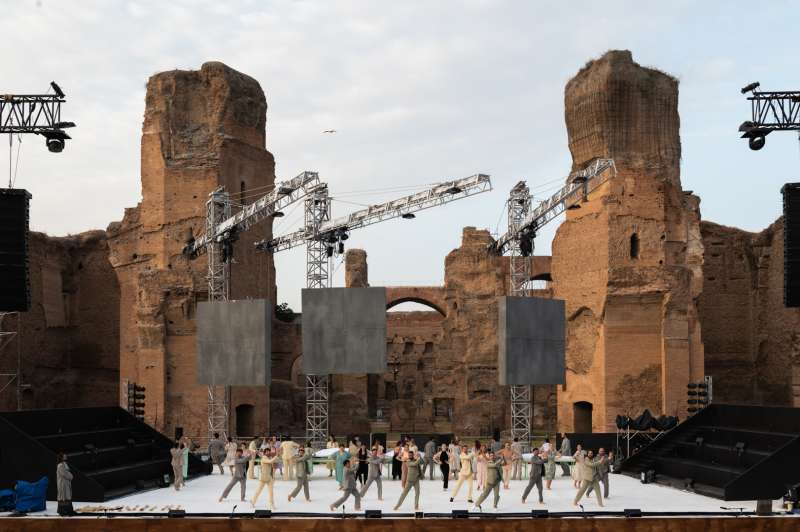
column 329, row 131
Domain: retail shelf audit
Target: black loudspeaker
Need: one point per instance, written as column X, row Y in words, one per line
column 262, row 514
column 373, row 514
column 176, row 514
column 791, row 244
column 15, row 295
column 632, row 512
column 460, row 514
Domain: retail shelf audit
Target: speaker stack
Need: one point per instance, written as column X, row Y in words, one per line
column 791, row 244
column 15, row 291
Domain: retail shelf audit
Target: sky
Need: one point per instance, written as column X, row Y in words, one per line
column 417, row 91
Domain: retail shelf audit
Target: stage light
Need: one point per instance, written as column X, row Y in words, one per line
column 329, row 251
column 57, row 89
column 262, row 514
column 540, row 514
column 176, row 514
column 341, row 248
column 749, row 88
column 418, row 515
column 453, row 190
column 756, row 143
column 459, row 514
column 373, row 514
column 64, row 125
column 632, row 512
column 409, row 216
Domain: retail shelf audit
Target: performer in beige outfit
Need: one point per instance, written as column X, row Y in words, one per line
column 266, row 477
column 464, row 473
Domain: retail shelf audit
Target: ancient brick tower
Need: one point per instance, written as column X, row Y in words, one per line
column 202, row 129
column 628, row 261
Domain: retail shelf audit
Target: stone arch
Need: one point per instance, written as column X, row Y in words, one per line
column 432, row 297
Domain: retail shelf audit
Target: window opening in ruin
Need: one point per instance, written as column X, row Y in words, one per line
column 245, row 420
column 582, row 417
column 634, row 246
column 428, row 348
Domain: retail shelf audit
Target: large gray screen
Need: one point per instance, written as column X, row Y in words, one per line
column 344, row 330
column 531, row 340
column 234, row 346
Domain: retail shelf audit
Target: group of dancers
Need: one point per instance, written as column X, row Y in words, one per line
column 490, row 467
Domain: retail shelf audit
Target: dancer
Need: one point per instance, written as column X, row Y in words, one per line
column 239, row 474
column 251, row 466
column 349, row 487
column 455, row 453
column 589, row 476
column 230, row 454
column 177, row 465
column 331, row 464
column 363, row 465
column 516, row 469
column 187, row 445
column 550, row 466
column 565, row 450
column 443, row 459
column 494, row 475
column 396, row 464
column 578, row 456
column 301, row 473
column 412, row 480
column 266, row 476
column 288, row 450
column 430, row 450
column 341, row 457
column 482, row 468
column 404, row 452
column 216, row 450
column 602, row 472
column 374, row 461
column 464, row 474
column 508, row 457
column 535, row 477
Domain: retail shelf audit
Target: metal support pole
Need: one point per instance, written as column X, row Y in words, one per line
column 317, row 211
column 10, row 334
column 519, row 203
column 218, row 208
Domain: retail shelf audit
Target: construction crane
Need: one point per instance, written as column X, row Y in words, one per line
column 770, row 111
column 324, row 237
column 221, row 231
column 523, row 224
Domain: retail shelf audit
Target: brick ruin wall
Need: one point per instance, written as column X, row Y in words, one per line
column 628, row 261
column 119, row 305
column 752, row 342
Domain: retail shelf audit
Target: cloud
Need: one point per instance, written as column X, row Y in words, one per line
column 419, row 92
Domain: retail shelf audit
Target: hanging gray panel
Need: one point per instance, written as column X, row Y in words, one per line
column 234, row 342
column 344, row 330
column 531, row 340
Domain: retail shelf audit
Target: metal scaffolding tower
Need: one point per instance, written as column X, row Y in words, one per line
column 519, row 203
column 523, row 223
column 317, row 212
column 218, row 209
column 11, row 373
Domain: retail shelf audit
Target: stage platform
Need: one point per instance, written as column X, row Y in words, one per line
column 201, row 496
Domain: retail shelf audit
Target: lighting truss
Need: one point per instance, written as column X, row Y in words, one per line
column 31, row 113
column 283, row 195
column 579, row 185
column 433, row 197
column 770, row 111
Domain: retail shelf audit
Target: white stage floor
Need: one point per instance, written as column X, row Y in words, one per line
column 202, row 494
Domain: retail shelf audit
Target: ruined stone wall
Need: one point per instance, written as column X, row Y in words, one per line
column 202, row 129
column 69, row 340
column 442, row 363
column 627, row 261
column 752, row 342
